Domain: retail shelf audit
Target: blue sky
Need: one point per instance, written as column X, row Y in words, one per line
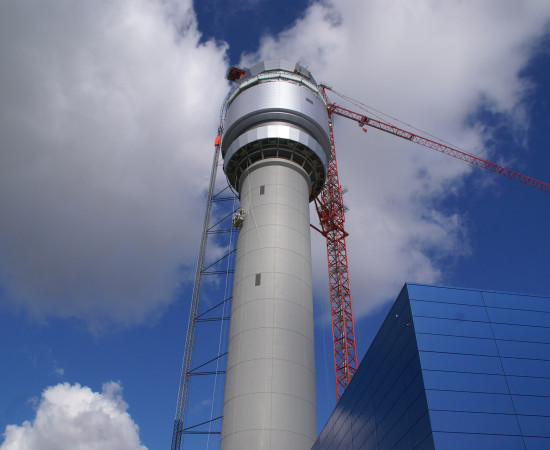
column 107, row 122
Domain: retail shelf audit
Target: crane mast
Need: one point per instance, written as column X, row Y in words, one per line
column 331, row 210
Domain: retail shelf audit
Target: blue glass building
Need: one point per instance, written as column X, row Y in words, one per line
column 450, row 369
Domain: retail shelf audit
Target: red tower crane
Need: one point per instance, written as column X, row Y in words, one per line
column 331, row 210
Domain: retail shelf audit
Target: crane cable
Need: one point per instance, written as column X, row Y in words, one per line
column 370, row 109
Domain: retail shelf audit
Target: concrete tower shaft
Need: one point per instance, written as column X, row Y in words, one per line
column 275, row 149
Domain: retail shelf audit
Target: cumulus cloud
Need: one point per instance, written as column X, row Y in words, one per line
column 74, row 417
column 432, row 64
column 107, row 121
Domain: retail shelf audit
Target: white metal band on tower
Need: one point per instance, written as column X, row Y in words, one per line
column 275, row 151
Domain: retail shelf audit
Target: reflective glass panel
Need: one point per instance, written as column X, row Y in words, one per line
column 460, row 363
column 453, row 344
column 535, row 425
column 452, row 327
column 448, row 311
column 517, row 301
column 466, row 422
column 532, row 350
column 468, row 382
column 536, row 443
column 529, row 367
column 529, row 385
column 518, row 317
column 451, row 360
column 444, row 294
column 421, row 429
column 521, row 332
column 469, row 401
column 532, row 405
column 464, row 441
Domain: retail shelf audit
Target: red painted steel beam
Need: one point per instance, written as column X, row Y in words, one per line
column 331, row 211
column 438, row 146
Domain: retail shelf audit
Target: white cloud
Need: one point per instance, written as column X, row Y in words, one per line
column 108, row 113
column 107, row 121
column 74, row 417
column 432, row 64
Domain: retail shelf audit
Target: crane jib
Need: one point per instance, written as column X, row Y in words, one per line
column 438, row 146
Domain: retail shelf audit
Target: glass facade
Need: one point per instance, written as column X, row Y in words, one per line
column 450, row 369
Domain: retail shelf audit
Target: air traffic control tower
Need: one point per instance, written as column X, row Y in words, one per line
column 275, row 148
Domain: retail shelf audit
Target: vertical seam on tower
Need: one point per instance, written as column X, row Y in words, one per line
column 272, row 328
column 252, row 175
